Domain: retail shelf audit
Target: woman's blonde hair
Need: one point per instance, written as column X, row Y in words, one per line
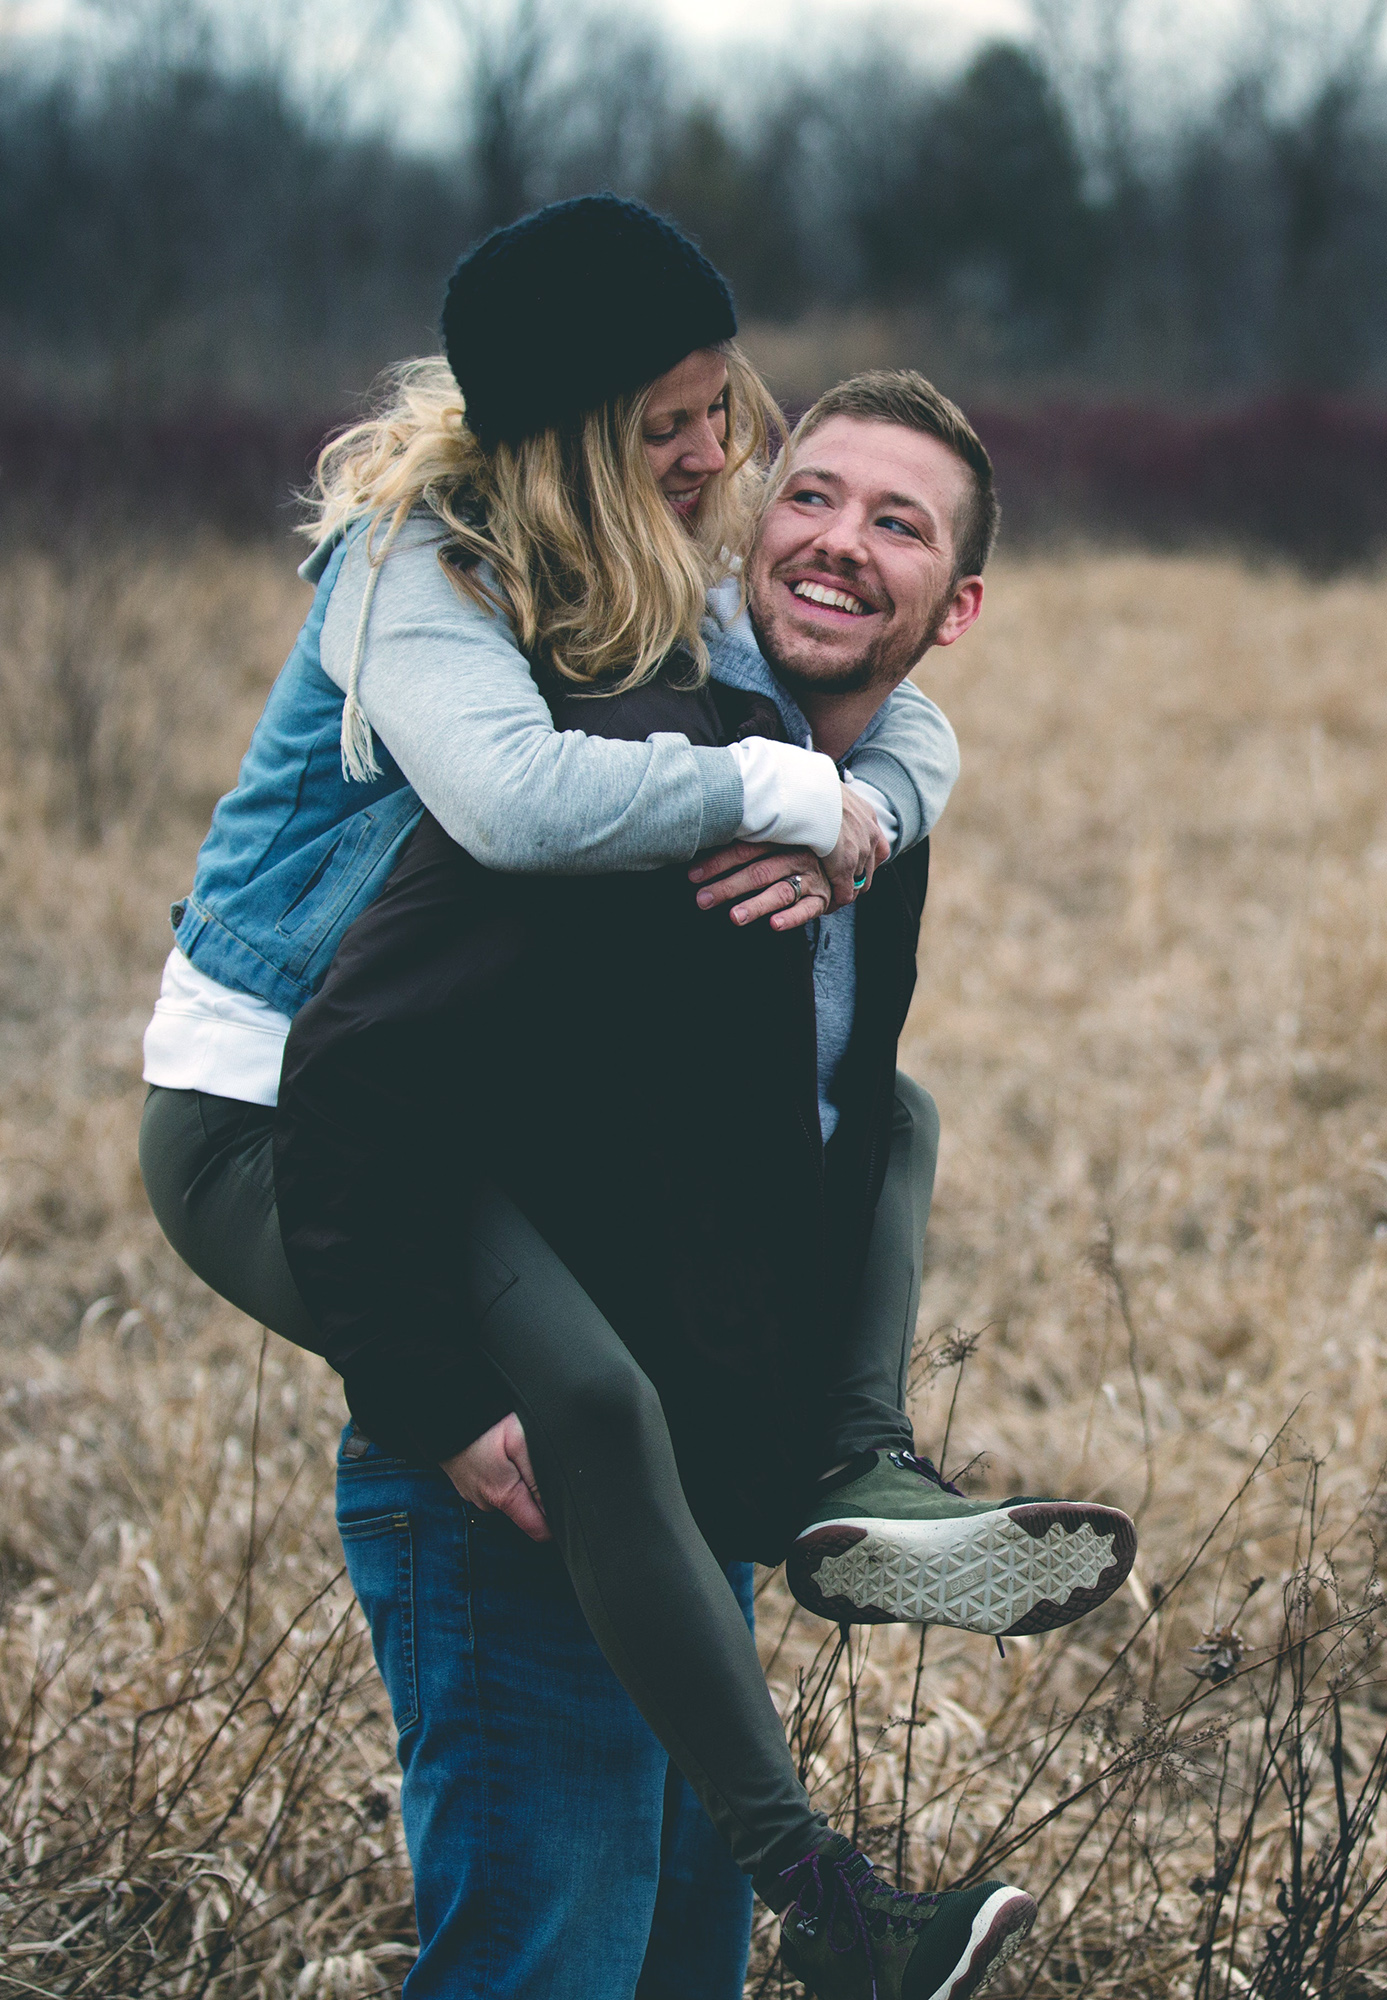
column 601, row 579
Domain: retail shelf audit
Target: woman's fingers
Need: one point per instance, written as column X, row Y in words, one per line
column 760, row 883
column 787, row 909
column 725, row 858
column 861, row 845
column 814, row 900
column 765, row 887
column 743, row 869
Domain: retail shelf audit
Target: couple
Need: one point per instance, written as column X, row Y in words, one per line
column 596, row 1182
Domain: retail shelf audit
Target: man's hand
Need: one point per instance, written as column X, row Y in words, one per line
column 495, row 1474
column 827, row 884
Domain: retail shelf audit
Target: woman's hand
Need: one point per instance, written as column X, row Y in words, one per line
column 839, row 878
column 861, row 849
column 765, row 876
column 495, row 1474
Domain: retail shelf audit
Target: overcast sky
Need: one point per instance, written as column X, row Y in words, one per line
column 954, row 25
column 408, row 80
column 419, row 71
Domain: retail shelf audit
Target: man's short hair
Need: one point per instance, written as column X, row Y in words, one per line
column 902, row 396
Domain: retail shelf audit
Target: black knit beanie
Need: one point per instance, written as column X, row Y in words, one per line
column 571, row 306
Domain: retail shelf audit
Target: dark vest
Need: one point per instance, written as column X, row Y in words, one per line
column 641, row 1077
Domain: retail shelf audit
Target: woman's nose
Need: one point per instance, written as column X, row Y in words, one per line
column 705, row 452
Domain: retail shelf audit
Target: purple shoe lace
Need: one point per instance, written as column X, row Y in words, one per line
column 828, row 1881
column 926, row 1468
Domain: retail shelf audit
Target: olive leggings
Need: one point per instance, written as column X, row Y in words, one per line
column 655, row 1596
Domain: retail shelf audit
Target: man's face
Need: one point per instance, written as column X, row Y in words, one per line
column 851, row 579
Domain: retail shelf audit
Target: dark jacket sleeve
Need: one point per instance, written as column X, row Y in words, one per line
column 380, row 1143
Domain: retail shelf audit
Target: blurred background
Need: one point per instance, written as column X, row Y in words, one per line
column 1145, row 241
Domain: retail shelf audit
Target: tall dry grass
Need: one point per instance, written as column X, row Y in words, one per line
column 1153, row 1010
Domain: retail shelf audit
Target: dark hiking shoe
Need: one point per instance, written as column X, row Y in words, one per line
column 889, row 1541
column 849, row 1937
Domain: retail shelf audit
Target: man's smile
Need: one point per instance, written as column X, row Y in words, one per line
column 834, row 598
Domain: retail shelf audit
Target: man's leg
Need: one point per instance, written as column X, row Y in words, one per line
column 867, row 1398
column 533, row 1792
column 701, row 1934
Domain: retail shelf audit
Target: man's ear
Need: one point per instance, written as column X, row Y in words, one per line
column 965, row 608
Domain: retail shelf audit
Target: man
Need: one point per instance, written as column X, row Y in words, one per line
column 629, row 1112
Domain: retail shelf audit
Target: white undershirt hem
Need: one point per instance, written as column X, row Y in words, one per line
column 205, row 1036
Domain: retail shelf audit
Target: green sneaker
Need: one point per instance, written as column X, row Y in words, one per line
column 889, row 1541
column 849, row 1937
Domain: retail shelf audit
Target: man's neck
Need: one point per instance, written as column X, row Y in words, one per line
column 837, row 720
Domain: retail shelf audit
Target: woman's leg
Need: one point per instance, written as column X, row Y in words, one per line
column 209, row 1173
column 655, row 1596
column 867, row 1399
column 701, row 1932
column 657, row 1600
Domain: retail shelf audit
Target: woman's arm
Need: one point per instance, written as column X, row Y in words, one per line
column 910, row 755
column 446, row 688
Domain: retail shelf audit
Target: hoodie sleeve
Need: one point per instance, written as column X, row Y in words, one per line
column 445, row 686
column 909, row 755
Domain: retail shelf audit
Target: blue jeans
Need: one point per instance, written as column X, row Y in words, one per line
column 556, row 1852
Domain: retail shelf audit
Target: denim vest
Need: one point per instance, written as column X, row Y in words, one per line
column 297, row 851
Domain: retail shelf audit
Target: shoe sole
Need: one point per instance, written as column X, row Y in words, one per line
column 1000, row 1928
column 1018, row 1570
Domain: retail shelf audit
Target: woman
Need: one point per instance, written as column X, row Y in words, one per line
column 558, row 489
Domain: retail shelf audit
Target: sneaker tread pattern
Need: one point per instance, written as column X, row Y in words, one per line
column 1013, row 1572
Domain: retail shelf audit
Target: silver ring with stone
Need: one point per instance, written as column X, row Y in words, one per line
column 796, row 882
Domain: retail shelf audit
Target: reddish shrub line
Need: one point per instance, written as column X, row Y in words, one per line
column 1302, row 476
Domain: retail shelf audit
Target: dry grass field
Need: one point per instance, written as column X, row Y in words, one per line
column 1153, row 1009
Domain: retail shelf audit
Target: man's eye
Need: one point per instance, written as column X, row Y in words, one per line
column 900, row 527
column 806, row 493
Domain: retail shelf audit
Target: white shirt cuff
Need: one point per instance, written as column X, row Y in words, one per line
column 791, row 797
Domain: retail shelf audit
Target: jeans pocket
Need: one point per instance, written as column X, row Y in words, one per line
column 380, row 1563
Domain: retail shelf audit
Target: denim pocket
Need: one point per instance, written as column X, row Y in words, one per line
column 380, row 1563
column 338, row 889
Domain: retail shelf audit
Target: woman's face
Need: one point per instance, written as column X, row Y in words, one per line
column 685, row 428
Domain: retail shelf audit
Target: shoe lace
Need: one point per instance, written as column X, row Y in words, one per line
column 826, row 1884
column 927, row 1469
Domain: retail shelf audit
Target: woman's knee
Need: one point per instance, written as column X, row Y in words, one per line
column 916, row 1112
column 615, row 1409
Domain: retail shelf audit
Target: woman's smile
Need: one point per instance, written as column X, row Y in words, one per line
column 685, row 429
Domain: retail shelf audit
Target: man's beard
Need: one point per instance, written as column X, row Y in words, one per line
column 871, row 668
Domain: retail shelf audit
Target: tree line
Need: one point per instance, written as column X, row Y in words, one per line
column 174, row 223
